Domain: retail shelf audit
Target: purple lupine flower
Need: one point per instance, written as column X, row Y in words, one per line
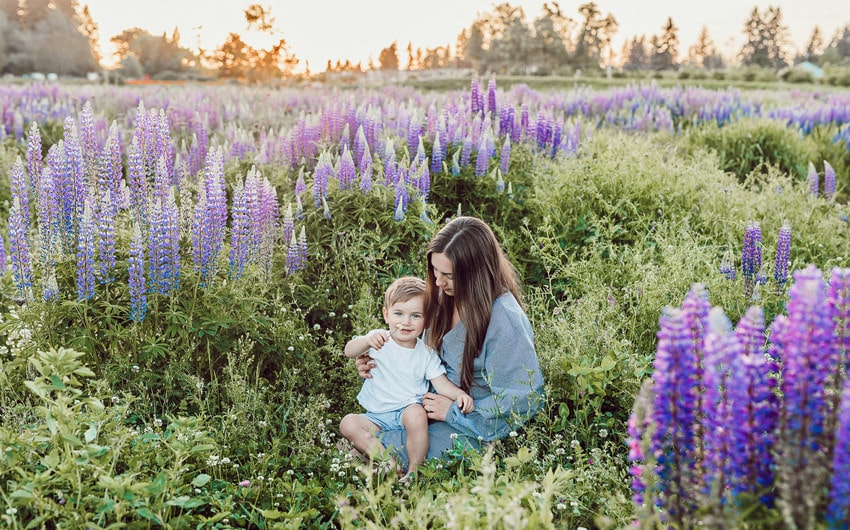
column 302, row 249
column 321, row 174
column 172, row 230
column 288, row 226
column 828, row 180
column 360, row 143
column 346, row 171
column 85, row 256
column 804, row 342
column 839, row 303
column 2, row 256
column 813, row 180
column 491, row 97
column 505, row 156
column 292, row 261
column 466, row 151
column 436, row 157
column 473, row 97
column 20, row 189
column 727, row 265
column 674, row 411
column 719, row 352
column 398, row 215
column 754, row 410
column 210, row 217
column 635, row 429
column 751, row 257
column 49, row 285
column 783, row 255
column 34, row 157
column 424, row 182
column 19, row 251
column 106, row 214
column 838, row 512
column 326, row 210
column 239, row 231
column 300, row 184
column 88, row 141
column 366, row 173
column 136, row 272
column 482, row 159
column 137, row 182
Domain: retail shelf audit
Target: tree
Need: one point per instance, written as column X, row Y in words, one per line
column 766, row 39
column 389, row 57
column 636, row 54
column 703, row 54
column 411, row 64
column 155, row 54
column 665, row 48
column 815, row 47
column 473, row 49
column 88, row 27
column 594, row 36
column 548, row 47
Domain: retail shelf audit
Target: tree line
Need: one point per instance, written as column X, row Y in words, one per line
column 60, row 36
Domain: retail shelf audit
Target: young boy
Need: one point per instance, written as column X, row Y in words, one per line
column 392, row 397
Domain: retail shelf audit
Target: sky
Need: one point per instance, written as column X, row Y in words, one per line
column 319, row 30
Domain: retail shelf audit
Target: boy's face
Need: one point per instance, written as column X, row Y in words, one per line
column 406, row 320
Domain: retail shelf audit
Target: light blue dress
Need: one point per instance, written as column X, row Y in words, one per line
column 508, row 387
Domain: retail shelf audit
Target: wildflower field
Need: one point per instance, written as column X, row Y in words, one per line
column 183, row 265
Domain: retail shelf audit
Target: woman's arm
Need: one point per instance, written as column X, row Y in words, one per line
column 508, row 367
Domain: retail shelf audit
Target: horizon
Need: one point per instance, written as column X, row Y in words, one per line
column 330, row 37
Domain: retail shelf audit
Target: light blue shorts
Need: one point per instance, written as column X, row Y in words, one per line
column 387, row 421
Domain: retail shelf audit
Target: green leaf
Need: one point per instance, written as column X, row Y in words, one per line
column 158, row 485
column 57, row 383
column 84, row 371
column 149, row 515
column 272, row 514
column 201, row 480
column 51, row 423
column 23, row 495
column 91, row 434
column 185, row 502
column 607, row 364
column 201, row 448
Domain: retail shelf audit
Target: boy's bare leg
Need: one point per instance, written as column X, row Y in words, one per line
column 361, row 433
column 415, row 422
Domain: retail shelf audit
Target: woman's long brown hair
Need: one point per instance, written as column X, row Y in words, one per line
column 481, row 274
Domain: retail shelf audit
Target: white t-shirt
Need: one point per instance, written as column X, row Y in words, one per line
column 400, row 376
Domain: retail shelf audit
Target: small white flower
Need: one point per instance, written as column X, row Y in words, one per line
column 562, row 506
column 341, row 473
column 115, row 400
column 225, row 460
column 453, row 436
column 260, row 478
column 513, row 434
column 11, row 511
column 603, row 433
column 262, row 423
column 575, row 444
column 332, row 314
column 316, row 326
column 290, row 472
column 291, row 348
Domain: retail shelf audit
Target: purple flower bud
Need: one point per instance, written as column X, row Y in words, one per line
column 828, row 180
column 813, row 180
column 783, row 254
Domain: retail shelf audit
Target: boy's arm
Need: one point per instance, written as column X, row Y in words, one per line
column 360, row 345
column 444, row 387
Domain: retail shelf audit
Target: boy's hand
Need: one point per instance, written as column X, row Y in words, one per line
column 465, row 403
column 377, row 338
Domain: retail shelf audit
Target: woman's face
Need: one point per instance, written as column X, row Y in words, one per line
column 443, row 272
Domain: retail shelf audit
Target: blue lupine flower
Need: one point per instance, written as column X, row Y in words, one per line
column 839, row 303
column 804, row 342
column 754, row 411
column 292, row 257
column 85, row 255
column 300, row 184
column 239, row 231
column 321, row 174
column 474, row 97
column 2, row 256
column 838, row 512
column 828, row 180
column 751, row 257
column 137, row 182
column 727, row 265
column 20, row 190
column 505, row 156
column 210, row 217
column 19, row 251
column 466, row 151
column 346, row 171
column 491, row 97
column 719, row 347
column 813, row 180
column 436, row 156
column 366, row 173
column 783, row 254
column 136, row 271
column 34, row 157
column 482, row 159
column 88, row 141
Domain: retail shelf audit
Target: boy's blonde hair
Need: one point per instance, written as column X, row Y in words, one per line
column 403, row 289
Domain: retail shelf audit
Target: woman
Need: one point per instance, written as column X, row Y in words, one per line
column 476, row 322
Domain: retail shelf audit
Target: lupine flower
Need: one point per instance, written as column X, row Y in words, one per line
column 838, row 512
column 85, row 255
column 505, row 157
column 676, row 385
column 783, row 255
column 828, row 180
column 465, row 151
column 324, row 170
column 482, row 159
column 210, row 217
column 137, row 182
column 456, row 164
column 302, row 248
column 399, row 213
column 719, row 349
column 500, row 182
column 366, row 173
column 473, row 97
column 727, row 265
column 136, row 271
column 839, row 303
column 288, row 224
column 751, row 257
column 753, row 411
column 19, row 251
column 34, row 157
column 50, row 288
column 346, row 171
column 491, row 97
column 436, row 157
column 106, row 237
column 300, row 184
column 2, row 256
column 20, row 190
column 292, row 257
column 813, row 180
column 804, row 342
column 326, row 210
column 239, row 232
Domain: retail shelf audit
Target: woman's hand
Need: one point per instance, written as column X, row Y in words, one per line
column 364, row 365
column 436, row 406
